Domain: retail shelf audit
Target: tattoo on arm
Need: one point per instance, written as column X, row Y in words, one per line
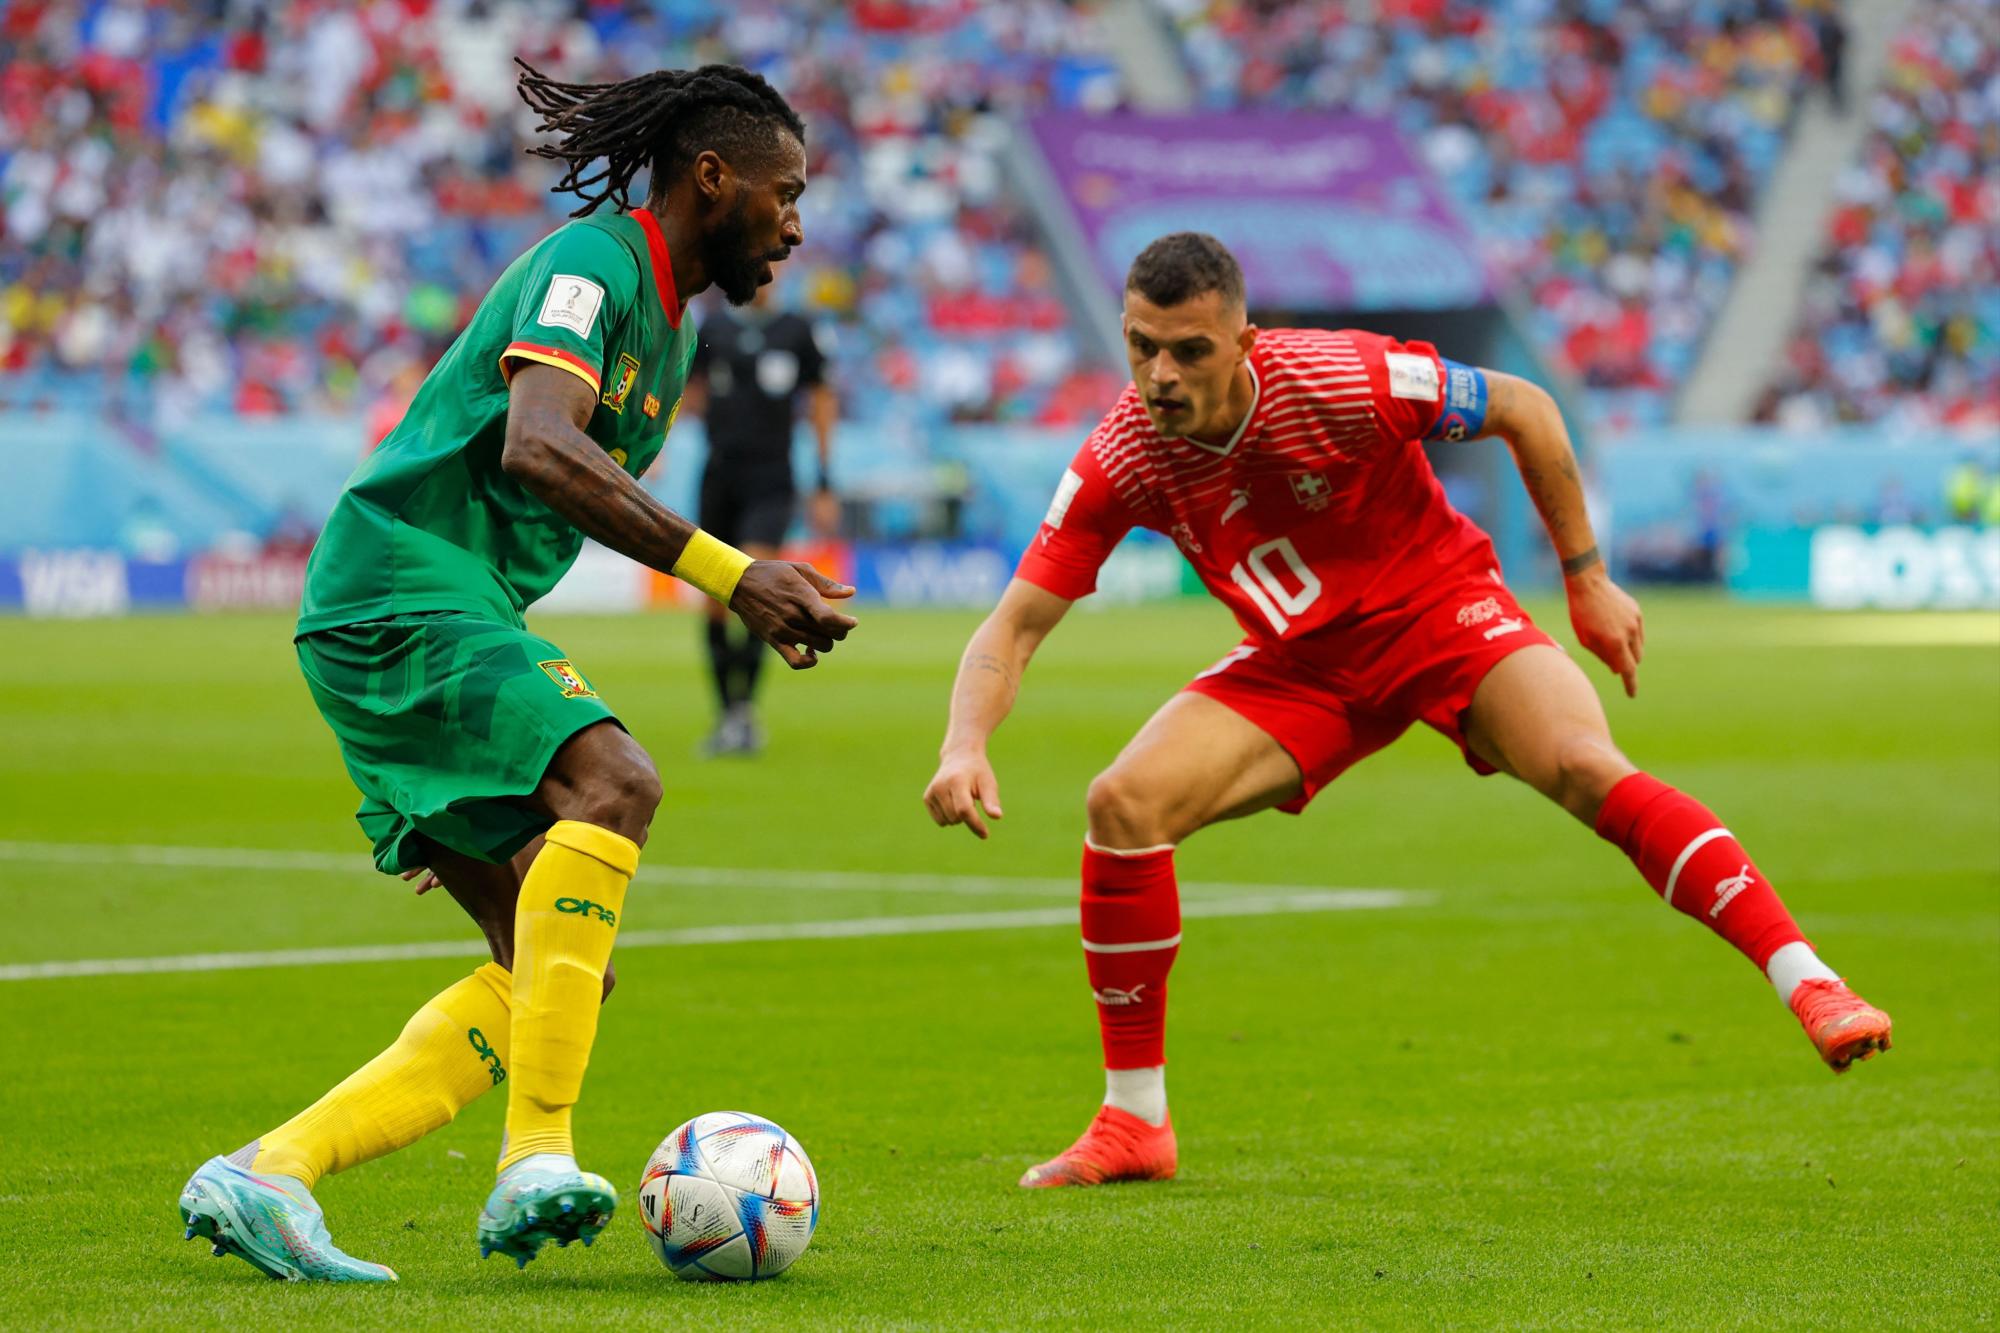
column 1581, row 561
column 1546, row 500
column 1534, row 432
column 988, row 662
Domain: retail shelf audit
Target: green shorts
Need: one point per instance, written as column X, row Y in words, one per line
column 444, row 719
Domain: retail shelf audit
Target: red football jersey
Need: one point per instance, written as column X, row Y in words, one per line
column 1322, row 509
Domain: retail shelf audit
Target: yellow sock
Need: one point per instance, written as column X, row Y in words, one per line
column 451, row 1050
column 564, row 924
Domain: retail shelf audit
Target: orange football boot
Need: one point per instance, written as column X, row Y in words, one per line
column 1842, row 1025
column 1117, row 1146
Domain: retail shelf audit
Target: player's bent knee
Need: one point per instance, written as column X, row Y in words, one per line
column 1107, row 803
column 615, row 785
column 1585, row 770
column 1123, row 813
column 630, row 798
column 638, row 787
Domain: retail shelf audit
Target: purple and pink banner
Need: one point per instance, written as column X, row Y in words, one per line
column 1325, row 212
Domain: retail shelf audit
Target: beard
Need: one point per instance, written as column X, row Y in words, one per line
column 736, row 269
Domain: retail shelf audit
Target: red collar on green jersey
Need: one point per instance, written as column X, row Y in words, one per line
column 663, row 269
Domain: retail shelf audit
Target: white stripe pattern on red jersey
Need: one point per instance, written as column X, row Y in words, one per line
column 1314, row 405
column 1321, row 507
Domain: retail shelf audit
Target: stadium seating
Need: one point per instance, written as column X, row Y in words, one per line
column 1606, row 152
column 295, row 214
column 290, row 216
column 1901, row 322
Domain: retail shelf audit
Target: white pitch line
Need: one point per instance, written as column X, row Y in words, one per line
column 197, row 858
column 156, row 856
column 1269, row 904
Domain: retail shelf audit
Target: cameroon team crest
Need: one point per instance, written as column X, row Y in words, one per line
column 621, row 384
column 568, row 678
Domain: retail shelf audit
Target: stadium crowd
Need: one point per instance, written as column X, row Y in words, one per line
column 1902, row 317
column 266, row 206
column 1607, row 152
column 282, row 205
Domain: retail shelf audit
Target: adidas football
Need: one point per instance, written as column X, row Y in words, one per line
column 728, row 1197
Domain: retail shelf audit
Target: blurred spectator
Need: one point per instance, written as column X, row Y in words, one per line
column 289, row 207
column 1829, row 28
column 1688, row 548
column 1607, row 152
column 291, row 534
column 1971, row 493
column 268, row 206
column 386, row 411
column 1901, row 319
column 1894, row 506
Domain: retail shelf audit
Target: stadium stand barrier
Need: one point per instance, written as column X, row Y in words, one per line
column 92, row 523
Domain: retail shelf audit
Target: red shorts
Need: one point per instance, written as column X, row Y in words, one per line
column 1332, row 699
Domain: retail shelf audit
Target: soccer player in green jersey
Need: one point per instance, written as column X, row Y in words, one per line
column 486, row 760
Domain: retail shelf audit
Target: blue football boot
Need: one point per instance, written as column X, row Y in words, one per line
column 273, row 1223
column 543, row 1198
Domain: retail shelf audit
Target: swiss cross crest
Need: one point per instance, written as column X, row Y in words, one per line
column 1311, row 490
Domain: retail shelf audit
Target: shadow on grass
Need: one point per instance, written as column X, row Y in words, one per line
column 628, row 1283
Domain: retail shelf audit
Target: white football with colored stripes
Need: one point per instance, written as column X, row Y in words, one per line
column 729, row 1197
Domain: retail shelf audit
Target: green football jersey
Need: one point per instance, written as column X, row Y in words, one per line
column 429, row 522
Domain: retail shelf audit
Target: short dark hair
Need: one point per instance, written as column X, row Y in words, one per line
column 1182, row 266
column 661, row 120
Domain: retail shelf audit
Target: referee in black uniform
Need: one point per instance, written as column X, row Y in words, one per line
column 751, row 368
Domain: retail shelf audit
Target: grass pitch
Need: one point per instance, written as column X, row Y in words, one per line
column 1531, row 1096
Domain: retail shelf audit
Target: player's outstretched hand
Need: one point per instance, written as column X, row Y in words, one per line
column 1608, row 623
column 783, row 603
column 964, row 785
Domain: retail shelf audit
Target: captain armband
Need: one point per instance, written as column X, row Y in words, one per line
column 1463, row 416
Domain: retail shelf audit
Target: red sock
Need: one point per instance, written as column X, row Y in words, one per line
column 1696, row 864
column 1131, row 932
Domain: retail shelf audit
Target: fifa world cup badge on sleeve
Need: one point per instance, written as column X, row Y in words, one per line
column 1065, row 492
column 572, row 303
column 1412, row 376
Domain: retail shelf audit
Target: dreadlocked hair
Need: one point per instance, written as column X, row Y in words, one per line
column 661, row 120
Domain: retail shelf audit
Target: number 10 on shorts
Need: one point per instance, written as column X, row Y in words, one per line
column 1268, row 591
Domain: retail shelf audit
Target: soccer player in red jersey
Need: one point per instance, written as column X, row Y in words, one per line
column 1288, row 465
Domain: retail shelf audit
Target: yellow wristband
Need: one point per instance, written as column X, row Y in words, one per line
column 713, row 566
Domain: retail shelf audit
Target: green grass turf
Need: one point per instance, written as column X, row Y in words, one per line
column 1538, row 1099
